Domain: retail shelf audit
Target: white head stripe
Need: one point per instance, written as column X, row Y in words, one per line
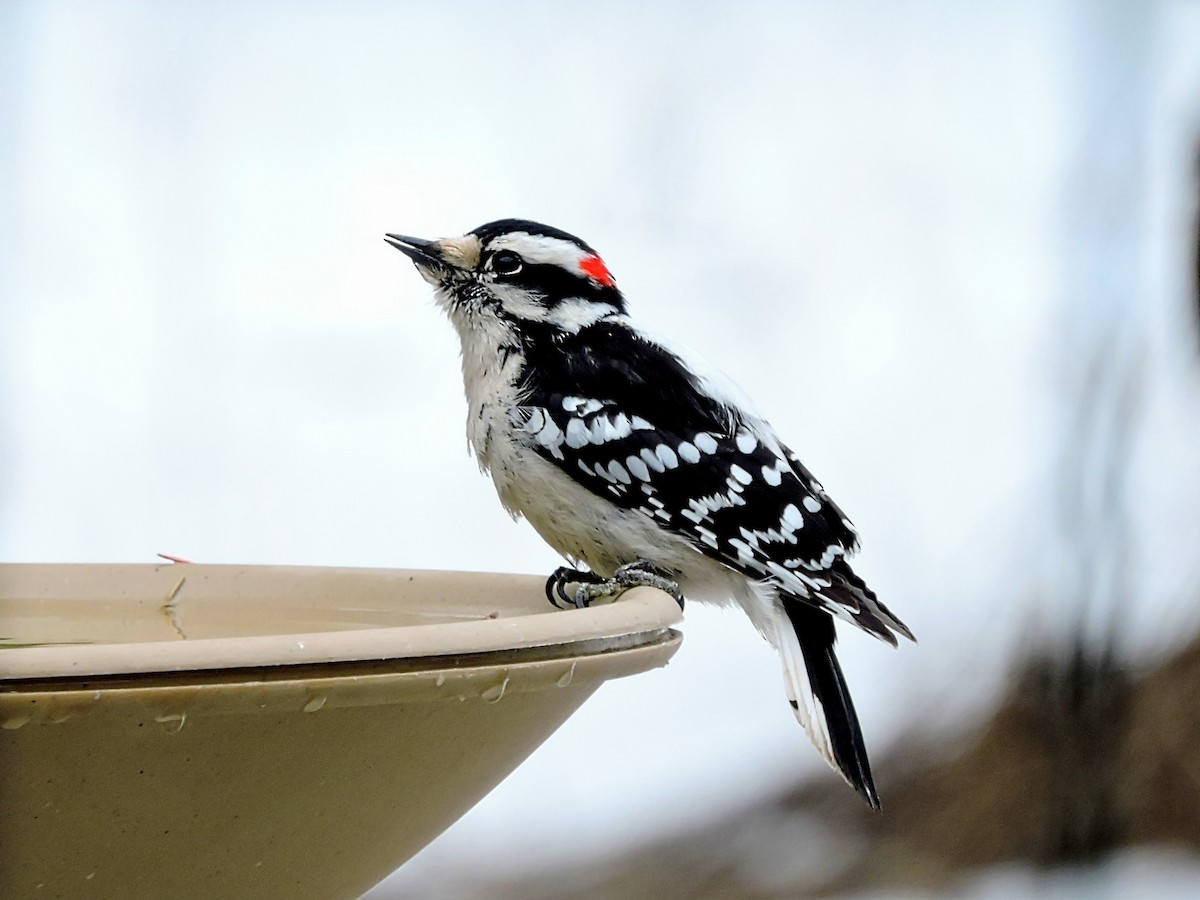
column 539, row 248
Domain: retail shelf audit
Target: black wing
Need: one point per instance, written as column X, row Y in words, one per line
column 629, row 420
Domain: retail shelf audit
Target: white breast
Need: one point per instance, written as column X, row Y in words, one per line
column 490, row 381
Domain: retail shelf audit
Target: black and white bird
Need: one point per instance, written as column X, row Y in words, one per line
column 630, row 460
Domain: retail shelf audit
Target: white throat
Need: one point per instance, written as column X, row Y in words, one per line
column 491, row 365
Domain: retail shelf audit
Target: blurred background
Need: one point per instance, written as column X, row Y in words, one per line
column 950, row 249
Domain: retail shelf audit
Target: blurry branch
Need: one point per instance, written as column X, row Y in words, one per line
column 1093, row 480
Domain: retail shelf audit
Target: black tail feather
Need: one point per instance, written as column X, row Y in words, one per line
column 815, row 631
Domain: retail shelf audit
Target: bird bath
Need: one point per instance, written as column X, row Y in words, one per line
column 252, row 731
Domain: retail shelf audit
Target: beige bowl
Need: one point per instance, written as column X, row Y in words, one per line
column 205, row 731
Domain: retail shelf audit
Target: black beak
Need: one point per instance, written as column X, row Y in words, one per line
column 422, row 252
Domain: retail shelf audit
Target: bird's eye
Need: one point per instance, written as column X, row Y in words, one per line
column 505, row 262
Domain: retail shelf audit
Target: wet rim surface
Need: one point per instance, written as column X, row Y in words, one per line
column 468, row 614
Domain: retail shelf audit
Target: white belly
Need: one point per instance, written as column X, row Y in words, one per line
column 588, row 529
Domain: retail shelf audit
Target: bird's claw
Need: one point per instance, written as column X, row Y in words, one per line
column 635, row 574
column 556, row 585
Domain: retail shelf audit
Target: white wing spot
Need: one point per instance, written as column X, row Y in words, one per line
column 740, row 474
column 570, row 404
column 706, row 443
column 746, row 442
column 772, row 476
column 577, row 434
column 600, row 427
column 652, row 460
column 779, row 571
column 611, row 432
column 537, row 419
column 637, row 468
column 745, row 554
column 618, row 472
column 551, row 437
column 812, row 504
column 688, row 452
column 792, row 517
column 667, row 455
column 831, row 552
column 640, row 424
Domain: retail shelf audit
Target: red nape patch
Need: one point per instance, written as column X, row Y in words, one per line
column 594, row 268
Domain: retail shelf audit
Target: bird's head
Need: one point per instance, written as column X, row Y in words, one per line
column 536, row 280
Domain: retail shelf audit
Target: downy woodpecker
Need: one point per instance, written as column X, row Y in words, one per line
column 630, row 460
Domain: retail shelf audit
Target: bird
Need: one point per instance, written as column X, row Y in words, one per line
column 640, row 465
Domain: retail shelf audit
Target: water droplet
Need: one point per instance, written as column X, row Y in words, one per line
column 175, row 720
column 300, row 645
column 567, row 677
column 14, row 723
column 496, row 691
column 315, row 703
column 441, row 679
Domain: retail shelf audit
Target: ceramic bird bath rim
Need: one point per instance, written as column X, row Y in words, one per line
column 182, row 617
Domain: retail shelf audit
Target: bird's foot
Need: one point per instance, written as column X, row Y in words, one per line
column 635, row 574
column 556, row 584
